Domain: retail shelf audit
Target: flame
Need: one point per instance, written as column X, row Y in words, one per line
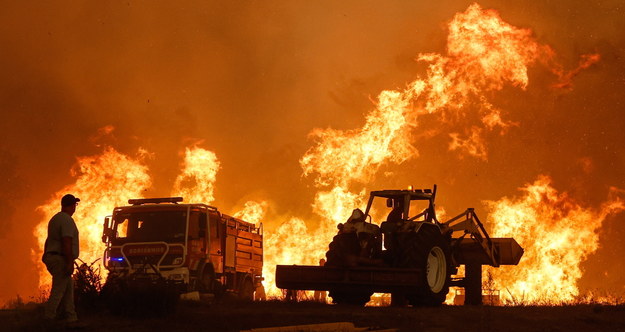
column 102, row 182
column 483, row 53
column 253, row 212
column 291, row 243
column 337, row 204
column 473, row 145
column 481, row 43
column 566, row 78
column 196, row 183
column 343, row 156
column 557, row 234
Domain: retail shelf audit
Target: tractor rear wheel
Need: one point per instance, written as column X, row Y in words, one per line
column 429, row 251
column 343, row 250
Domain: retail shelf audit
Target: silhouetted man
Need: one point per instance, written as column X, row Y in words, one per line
column 60, row 251
column 320, row 296
column 396, row 214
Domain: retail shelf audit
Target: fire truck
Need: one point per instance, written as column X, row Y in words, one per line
column 194, row 247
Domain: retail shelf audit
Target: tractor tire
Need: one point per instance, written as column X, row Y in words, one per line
column 429, row 251
column 343, row 250
column 358, row 298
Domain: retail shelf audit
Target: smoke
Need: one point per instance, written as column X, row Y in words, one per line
column 252, row 79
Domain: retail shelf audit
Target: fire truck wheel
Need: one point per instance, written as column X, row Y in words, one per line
column 112, row 292
column 246, row 292
column 343, row 250
column 358, row 298
column 205, row 283
column 428, row 250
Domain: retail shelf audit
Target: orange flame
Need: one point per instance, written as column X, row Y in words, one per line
column 566, row 77
column 473, row 145
column 196, row 183
column 557, row 234
column 253, row 212
column 484, row 52
column 291, row 243
column 102, row 182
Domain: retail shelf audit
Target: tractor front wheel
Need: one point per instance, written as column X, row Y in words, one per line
column 343, row 250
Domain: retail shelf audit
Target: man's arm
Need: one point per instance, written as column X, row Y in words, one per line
column 66, row 242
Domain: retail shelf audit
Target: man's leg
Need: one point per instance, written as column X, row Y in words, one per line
column 54, row 264
column 68, row 302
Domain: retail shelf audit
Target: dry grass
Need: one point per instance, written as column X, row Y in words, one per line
column 588, row 298
column 18, row 302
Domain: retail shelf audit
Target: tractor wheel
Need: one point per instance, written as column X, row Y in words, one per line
column 428, row 250
column 359, row 298
column 246, row 290
column 343, row 250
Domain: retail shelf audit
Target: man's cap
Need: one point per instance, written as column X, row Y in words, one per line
column 69, row 200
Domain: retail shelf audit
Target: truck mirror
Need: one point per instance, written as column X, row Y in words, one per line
column 106, row 229
column 389, row 202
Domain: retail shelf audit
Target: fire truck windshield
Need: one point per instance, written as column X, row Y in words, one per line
column 168, row 226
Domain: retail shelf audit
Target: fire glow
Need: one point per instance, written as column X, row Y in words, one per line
column 557, row 233
column 102, row 182
column 484, row 54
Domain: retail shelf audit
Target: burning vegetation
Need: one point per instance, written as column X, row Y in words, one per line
column 453, row 101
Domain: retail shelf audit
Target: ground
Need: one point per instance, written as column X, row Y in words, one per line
column 241, row 316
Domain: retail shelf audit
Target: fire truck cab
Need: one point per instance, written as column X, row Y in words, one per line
column 191, row 245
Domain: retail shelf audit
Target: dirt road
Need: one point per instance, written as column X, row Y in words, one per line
column 235, row 317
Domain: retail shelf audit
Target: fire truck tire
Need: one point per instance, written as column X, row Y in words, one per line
column 246, row 291
column 343, row 250
column 358, row 298
column 428, row 250
column 206, row 282
column 112, row 292
column 139, row 299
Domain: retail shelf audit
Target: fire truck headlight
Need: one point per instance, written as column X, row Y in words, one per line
column 177, row 260
column 176, row 276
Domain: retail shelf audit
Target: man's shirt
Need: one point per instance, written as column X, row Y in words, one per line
column 62, row 225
